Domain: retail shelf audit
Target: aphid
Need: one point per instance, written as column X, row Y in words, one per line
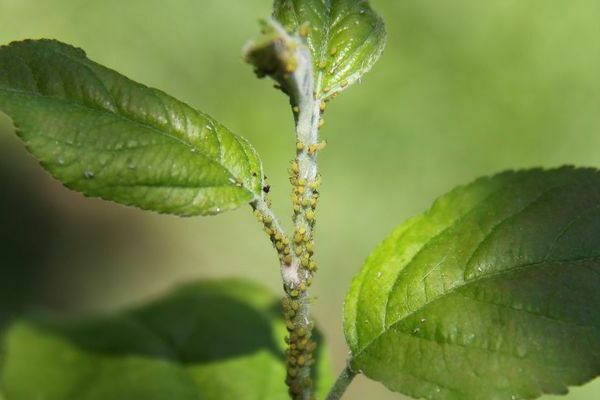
column 304, row 29
column 299, row 146
column 296, row 109
column 266, row 188
column 333, row 51
column 321, row 123
column 310, row 215
column 323, row 65
column 295, row 168
column 287, row 259
column 323, row 106
column 344, row 83
column 291, row 64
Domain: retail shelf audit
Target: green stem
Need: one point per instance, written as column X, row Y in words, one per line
column 341, row 384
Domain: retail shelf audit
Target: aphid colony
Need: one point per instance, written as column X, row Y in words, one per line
column 305, row 197
column 278, row 238
column 296, row 251
column 300, row 348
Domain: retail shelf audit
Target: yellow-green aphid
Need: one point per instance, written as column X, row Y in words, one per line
column 304, row 29
column 291, row 64
column 295, row 168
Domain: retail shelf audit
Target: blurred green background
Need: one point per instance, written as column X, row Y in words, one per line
column 464, row 89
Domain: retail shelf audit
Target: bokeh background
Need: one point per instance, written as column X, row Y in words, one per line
column 464, row 89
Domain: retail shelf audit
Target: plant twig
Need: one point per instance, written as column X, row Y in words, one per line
column 341, row 384
column 286, row 59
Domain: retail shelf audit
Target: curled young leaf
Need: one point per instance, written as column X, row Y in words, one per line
column 345, row 38
column 491, row 294
column 107, row 136
column 209, row 341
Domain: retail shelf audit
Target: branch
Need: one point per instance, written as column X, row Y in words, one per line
column 341, row 384
column 286, row 59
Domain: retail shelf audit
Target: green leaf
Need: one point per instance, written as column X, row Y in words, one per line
column 212, row 340
column 491, row 294
column 107, row 136
column 345, row 38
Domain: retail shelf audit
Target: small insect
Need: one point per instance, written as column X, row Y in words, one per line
column 304, row 29
column 266, row 188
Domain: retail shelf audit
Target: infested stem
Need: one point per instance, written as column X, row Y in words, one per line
column 288, row 262
column 287, row 59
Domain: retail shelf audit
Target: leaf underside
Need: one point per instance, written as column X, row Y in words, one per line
column 491, row 294
column 106, row 136
column 206, row 341
column 345, row 38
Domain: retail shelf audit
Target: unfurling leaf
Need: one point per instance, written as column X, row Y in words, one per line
column 345, row 38
column 107, row 136
column 491, row 294
column 208, row 341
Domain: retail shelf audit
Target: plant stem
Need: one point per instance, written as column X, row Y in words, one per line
column 341, row 384
column 288, row 262
column 287, row 59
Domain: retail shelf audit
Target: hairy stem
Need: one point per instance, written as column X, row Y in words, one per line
column 286, row 58
column 288, row 262
column 341, row 384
